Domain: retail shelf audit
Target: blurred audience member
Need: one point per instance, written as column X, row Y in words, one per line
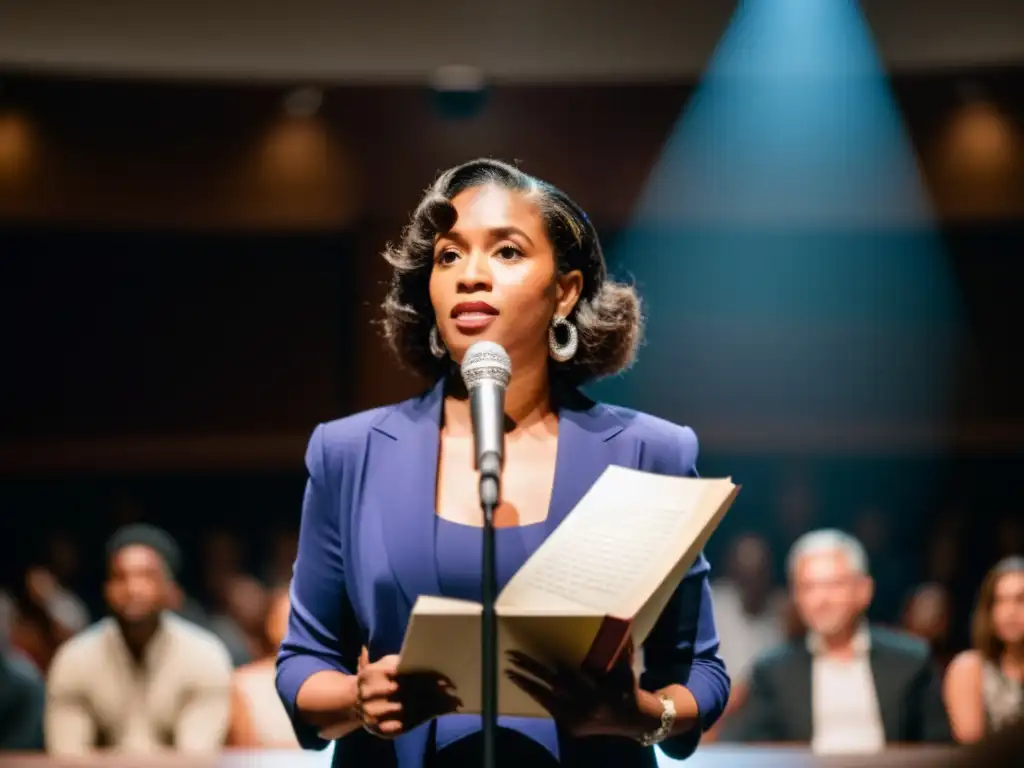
column 145, row 680
column 66, row 612
column 797, row 506
column 750, row 611
column 22, row 693
column 890, row 572
column 33, row 634
column 221, row 569
column 221, row 562
column 64, row 560
column 984, row 687
column 51, row 611
column 258, row 718
column 284, row 546
column 240, row 623
column 944, row 559
column 927, row 616
column 946, row 564
column 187, row 606
column 847, row 687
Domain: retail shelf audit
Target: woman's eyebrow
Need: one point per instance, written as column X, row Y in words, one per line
column 495, row 234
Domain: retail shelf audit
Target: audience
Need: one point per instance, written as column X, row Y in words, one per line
column 928, row 615
column 846, row 687
column 872, row 527
column 807, row 666
column 984, row 687
column 258, row 719
column 751, row 614
column 22, row 692
column 750, row 611
column 284, row 546
column 223, row 580
column 145, row 680
column 239, row 623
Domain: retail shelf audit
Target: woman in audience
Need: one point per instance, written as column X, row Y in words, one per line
column 258, row 719
column 984, row 687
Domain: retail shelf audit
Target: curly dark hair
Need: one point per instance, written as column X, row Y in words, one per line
column 608, row 314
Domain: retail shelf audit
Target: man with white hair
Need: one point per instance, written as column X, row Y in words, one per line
column 846, row 687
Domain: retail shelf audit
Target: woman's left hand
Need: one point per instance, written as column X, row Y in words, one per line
column 587, row 705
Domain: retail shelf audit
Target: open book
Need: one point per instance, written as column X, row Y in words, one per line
column 603, row 576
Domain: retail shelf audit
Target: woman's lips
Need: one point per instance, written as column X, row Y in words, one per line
column 473, row 321
column 473, row 315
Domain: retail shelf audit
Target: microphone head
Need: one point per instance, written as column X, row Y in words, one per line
column 486, row 361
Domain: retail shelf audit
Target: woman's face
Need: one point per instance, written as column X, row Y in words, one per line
column 1008, row 608
column 494, row 276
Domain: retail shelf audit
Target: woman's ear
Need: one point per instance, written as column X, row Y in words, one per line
column 570, row 286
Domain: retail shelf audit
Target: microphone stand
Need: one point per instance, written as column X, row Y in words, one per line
column 490, row 495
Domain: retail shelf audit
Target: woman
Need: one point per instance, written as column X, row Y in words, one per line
column 984, row 687
column 391, row 511
column 257, row 718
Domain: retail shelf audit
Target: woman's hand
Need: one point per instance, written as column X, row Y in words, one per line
column 389, row 704
column 587, row 705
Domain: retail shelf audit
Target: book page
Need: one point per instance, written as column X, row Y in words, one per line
column 607, row 570
column 445, row 606
column 449, row 643
column 627, row 522
column 652, row 596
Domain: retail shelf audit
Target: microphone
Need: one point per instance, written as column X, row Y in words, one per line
column 486, row 370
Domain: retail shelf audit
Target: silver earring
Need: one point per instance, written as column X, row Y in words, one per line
column 437, row 348
column 563, row 352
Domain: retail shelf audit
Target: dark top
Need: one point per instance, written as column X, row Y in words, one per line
column 22, row 700
column 459, row 565
column 778, row 707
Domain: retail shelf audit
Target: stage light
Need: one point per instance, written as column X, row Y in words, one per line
column 16, row 145
column 785, row 243
column 981, row 139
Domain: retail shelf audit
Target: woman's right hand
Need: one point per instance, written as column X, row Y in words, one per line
column 389, row 704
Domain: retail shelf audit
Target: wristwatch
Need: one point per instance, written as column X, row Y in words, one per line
column 668, row 717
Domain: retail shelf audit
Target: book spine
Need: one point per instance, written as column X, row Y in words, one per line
column 609, row 642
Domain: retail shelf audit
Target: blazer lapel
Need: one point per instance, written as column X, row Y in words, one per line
column 889, row 684
column 402, row 476
column 799, row 699
column 404, row 450
column 589, row 440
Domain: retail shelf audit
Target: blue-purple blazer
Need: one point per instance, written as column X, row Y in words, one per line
column 367, row 550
